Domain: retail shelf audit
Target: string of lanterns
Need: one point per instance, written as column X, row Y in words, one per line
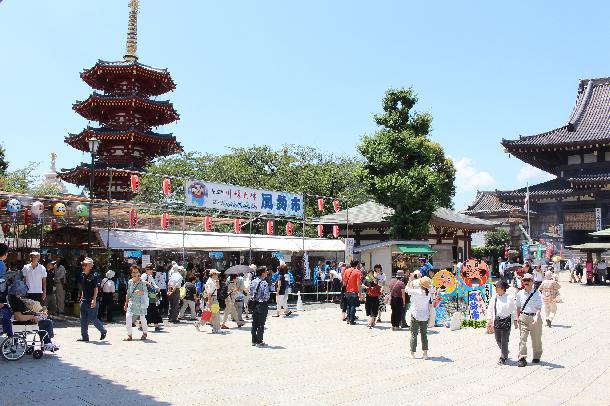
column 59, row 210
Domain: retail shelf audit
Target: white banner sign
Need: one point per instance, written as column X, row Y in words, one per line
column 349, row 250
column 229, row 197
column 598, row 219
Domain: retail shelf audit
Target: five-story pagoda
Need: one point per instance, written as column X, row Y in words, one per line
column 127, row 116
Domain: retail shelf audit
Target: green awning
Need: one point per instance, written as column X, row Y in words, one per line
column 415, row 249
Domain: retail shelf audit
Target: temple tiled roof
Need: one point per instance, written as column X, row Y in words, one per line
column 555, row 188
column 589, row 123
column 488, row 203
column 160, row 144
column 374, row 214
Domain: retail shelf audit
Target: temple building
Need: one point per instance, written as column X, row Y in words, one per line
column 577, row 201
column 127, row 115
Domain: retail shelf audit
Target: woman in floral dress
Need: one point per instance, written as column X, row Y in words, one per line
column 136, row 304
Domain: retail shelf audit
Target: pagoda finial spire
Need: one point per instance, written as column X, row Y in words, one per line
column 132, row 33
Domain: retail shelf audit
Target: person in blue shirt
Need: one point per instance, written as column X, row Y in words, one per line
column 259, row 295
column 3, row 255
column 425, row 266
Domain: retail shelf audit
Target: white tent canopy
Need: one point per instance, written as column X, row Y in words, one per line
column 127, row 239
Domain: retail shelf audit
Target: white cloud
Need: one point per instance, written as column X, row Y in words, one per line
column 530, row 173
column 468, row 178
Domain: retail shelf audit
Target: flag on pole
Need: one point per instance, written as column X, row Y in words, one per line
column 526, row 202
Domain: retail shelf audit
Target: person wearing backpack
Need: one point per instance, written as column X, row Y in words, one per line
column 107, row 291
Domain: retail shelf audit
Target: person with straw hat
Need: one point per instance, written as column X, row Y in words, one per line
column 419, row 292
column 550, row 294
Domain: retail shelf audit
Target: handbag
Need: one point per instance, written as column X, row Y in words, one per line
column 500, row 323
column 206, row 315
column 253, row 302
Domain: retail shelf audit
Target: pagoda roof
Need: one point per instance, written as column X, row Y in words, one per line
column 81, row 174
column 587, row 127
column 106, row 75
column 488, row 203
column 166, row 143
column 558, row 188
column 97, row 108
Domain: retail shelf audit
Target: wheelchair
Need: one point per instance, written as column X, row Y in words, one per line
column 23, row 337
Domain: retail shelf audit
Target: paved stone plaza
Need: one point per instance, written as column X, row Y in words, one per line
column 313, row 359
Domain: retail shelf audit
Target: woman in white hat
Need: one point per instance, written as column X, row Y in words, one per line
column 550, row 294
column 419, row 293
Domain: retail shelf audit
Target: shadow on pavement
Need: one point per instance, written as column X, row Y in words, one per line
column 550, row 365
column 51, row 381
column 560, row 326
column 440, row 359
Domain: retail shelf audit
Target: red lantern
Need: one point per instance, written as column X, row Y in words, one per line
column 321, row 204
column 336, row 231
column 167, row 186
column 54, row 225
column 289, row 228
column 207, row 223
column 133, row 218
column 6, row 228
column 27, row 216
column 237, row 226
column 165, row 221
column 269, row 227
column 320, row 230
column 135, row 183
column 337, row 206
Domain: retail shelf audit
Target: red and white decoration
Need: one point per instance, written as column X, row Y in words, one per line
column 207, row 223
column 321, row 204
column 289, row 228
column 167, row 187
column 269, row 227
column 336, row 231
column 27, row 216
column 237, row 226
column 337, row 206
column 165, row 221
column 320, row 230
column 54, row 225
column 135, row 183
column 133, row 218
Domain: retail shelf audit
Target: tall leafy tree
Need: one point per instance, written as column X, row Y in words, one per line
column 3, row 161
column 404, row 169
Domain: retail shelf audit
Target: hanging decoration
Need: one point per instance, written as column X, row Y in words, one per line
column 337, row 206
column 269, row 227
column 320, row 230
column 82, row 210
column 54, row 225
column 289, row 228
column 133, row 218
column 37, row 208
column 336, row 231
column 321, row 204
column 135, row 183
column 6, row 228
column 27, row 216
column 207, row 223
column 237, row 226
column 165, row 221
column 59, row 209
column 167, row 186
column 13, row 206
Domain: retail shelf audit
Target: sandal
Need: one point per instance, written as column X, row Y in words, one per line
column 128, row 338
column 143, row 337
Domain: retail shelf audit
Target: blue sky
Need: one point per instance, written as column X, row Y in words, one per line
column 311, row 72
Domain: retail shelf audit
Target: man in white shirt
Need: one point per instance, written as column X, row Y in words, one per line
column 173, row 290
column 529, row 306
column 36, row 278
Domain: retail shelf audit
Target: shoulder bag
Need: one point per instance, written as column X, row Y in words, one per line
column 500, row 323
column 253, row 302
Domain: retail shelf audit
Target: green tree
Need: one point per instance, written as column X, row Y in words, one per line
column 494, row 244
column 3, row 161
column 20, row 180
column 404, row 169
